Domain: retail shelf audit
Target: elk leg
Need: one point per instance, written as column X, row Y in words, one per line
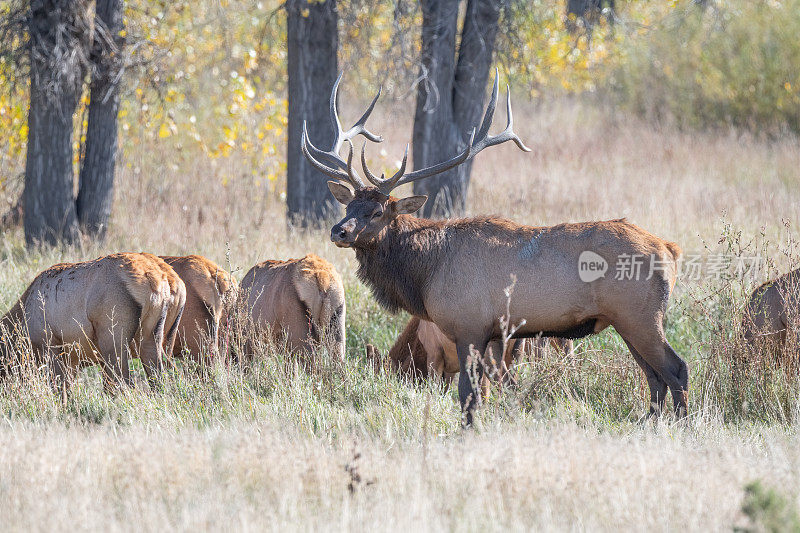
column 151, row 361
column 198, row 334
column 302, row 340
column 679, row 390
column 245, row 359
column 214, row 341
column 113, row 347
column 668, row 364
column 307, row 349
column 466, row 392
column 152, row 350
column 566, row 346
column 658, row 387
column 167, row 344
column 514, row 353
column 59, row 372
column 493, row 367
column 115, row 335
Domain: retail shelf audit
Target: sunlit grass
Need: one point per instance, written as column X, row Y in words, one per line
column 566, row 449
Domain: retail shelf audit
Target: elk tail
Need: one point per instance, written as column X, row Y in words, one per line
column 676, row 253
column 675, row 250
column 169, row 343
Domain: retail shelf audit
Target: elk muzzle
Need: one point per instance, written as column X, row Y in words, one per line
column 343, row 234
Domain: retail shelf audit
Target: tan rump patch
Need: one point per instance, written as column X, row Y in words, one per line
column 316, row 269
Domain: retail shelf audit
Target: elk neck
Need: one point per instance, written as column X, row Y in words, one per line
column 399, row 262
column 15, row 315
column 9, row 330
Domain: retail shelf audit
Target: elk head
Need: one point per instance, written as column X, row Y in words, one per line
column 370, row 209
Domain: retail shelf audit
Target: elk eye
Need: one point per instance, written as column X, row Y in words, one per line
column 376, row 214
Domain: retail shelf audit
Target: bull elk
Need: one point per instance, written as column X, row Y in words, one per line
column 210, row 295
column 299, row 300
column 103, row 312
column 773, row 312
column 454, row 272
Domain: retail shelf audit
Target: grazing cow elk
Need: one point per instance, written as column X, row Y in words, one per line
column 102, row 311
column 773, row 312
column 422, row 350
column 454, row 272
column 299, row 300
column 210, row 295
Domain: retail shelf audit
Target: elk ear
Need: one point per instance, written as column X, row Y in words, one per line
column 406, row 206
column 341, row 192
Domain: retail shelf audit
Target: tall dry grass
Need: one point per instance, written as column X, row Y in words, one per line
column 276, row 448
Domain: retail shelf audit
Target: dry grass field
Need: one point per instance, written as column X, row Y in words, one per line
column 345, row 449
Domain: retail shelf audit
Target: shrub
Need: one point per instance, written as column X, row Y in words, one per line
column 768, row 510
column 729, row 63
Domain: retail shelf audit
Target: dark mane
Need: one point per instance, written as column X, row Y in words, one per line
column 399, row 265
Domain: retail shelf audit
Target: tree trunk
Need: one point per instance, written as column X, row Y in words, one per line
column 313, row 42
column 55, row 64
column 587, row 11
column 96, row 190
column 580, row 7
column 435, row 136
column 451, row 95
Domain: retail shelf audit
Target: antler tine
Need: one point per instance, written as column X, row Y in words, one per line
column 489, row 115
column 354, row 178
column 392, row 182
column 359, row 128
column 507, row 134
column 510, row 125
column 477, row 142
column 347, row 177
column 375, row 180
column 435, row 169
column 384, row 185
column 337, row 143
column 330, row 162
column 307, row 147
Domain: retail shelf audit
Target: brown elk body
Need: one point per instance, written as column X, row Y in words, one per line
column 210, row 295
column 100, row 312
column 773, row 312
column 454, row 272
column 299, row 300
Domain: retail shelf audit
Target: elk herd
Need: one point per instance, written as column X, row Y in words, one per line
column 451, row 276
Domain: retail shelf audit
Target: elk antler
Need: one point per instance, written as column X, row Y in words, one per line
column 475, row 145
column 336, row 167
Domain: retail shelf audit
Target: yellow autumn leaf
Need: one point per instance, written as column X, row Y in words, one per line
column 164, row 131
